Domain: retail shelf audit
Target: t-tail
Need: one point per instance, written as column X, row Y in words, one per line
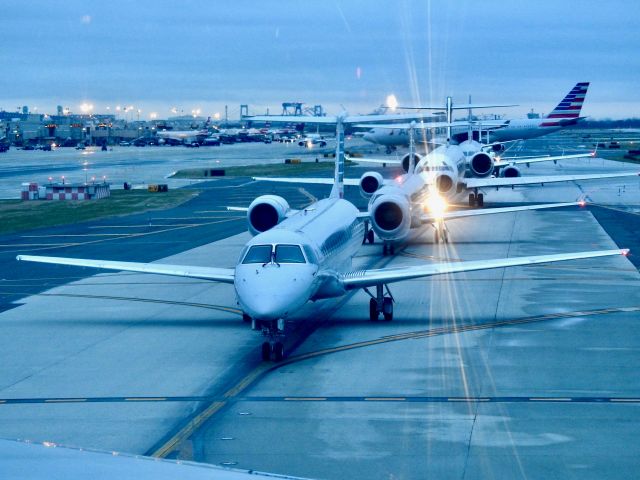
column 568, row 110
column 338, row 177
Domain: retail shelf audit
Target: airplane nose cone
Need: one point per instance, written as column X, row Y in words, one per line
column 271, row 292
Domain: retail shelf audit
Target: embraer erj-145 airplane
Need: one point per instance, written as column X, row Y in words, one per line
column 566, row 113
column 306, row 255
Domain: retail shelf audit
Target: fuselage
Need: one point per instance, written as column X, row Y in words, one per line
column 298, row 260
column 396, row 207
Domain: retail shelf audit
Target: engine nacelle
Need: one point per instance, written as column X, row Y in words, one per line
column 265, row 212
column 370, row 182
column 406, row 161
column 498, row 147
column 510, row 171
column 445, row 185
column 391, row 217
column 481, row 164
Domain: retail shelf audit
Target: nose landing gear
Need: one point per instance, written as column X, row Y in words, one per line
column 388, row 248
column 273, row 348
column 440, row 233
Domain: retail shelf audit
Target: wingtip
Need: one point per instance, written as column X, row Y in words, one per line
column 625, row 252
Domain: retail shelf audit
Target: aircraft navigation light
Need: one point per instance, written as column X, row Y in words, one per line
column 436, row 205
column 582, row 203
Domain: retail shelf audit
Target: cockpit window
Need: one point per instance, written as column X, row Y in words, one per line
column 311, row 256
column 258, row 254
column 289, row 254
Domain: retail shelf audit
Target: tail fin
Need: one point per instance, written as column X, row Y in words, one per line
column 338, row 177
column 569, row 108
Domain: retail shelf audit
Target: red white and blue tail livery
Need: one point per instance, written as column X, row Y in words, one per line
column 568, row 110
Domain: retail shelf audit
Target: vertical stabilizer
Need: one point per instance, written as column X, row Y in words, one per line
column 338, row 177
column 449, row 118
column 569, row 108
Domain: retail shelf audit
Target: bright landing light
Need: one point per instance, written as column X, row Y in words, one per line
column 392, row 102
column 436, row 205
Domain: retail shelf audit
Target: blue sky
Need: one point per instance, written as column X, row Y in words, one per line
column 204, row 54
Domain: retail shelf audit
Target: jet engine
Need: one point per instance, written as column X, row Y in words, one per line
column 510, row 171
column 370, row 182
column 498, row 147
column 391, row 217
column 481, row 164
column 265, row 212
column 444, row 184
column 406, row 161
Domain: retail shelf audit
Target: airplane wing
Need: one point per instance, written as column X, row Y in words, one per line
column 521, row 161
column 430, row 218
column 370, row 278
column 456, row 107
column 386, row 161
column 291, row 212
column 223, row 275
column 539, row 179
column 353, row 182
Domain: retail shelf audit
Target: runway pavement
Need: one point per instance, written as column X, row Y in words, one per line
column 527, row 372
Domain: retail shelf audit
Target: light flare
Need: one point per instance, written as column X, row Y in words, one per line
column 436, row 205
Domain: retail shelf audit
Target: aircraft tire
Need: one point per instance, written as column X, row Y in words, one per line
column 370, row 236
column 373, row 310
column 480, row 200
column 278, row 351
column 472, row 199
column 266, row 351
column 387, row 309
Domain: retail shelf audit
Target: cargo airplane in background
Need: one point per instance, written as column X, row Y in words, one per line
column 566, row 113
column 305, row 255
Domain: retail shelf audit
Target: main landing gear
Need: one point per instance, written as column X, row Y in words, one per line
column 476, row 199
column 388, row 248
column 368, row 234
column 382, row 302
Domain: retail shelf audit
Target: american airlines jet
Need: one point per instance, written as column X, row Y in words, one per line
column 305, row 255
column 566, row 113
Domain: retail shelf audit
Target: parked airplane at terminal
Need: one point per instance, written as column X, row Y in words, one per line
column 301, row 256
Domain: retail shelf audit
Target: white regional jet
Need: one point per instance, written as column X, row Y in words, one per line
column 420, row 196
column 305, row 255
